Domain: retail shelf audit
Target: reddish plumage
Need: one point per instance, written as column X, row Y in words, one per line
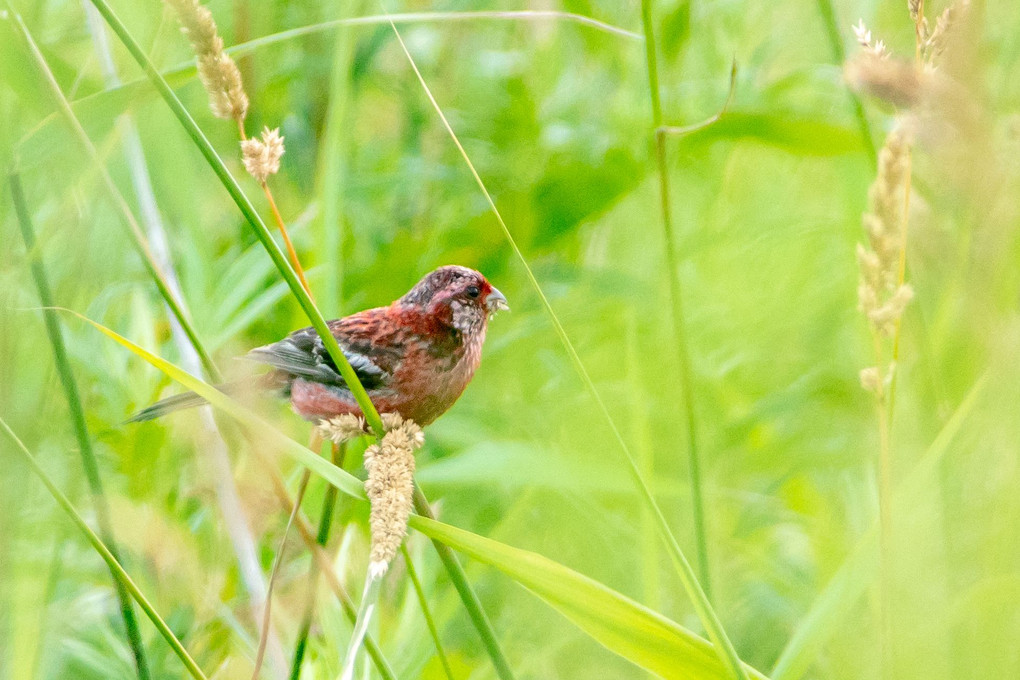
column 415, row 357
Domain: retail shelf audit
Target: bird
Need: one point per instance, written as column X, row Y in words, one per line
column 414, row 357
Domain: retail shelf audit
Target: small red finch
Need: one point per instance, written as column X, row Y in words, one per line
column 414, row 357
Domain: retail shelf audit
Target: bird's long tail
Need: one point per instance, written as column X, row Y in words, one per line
column 191, row 399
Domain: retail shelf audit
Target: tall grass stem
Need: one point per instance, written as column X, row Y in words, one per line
column 468, row 596
column 680, row 340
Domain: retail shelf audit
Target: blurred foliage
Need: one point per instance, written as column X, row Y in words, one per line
column 556, row 118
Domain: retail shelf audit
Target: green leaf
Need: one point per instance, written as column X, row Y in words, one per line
column 343, row 480
column 622, row 625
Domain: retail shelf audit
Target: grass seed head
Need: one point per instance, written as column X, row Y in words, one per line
column 342, row 428
column 217, row 71
column 262, row 156
column 390, row 488
column 881, row 297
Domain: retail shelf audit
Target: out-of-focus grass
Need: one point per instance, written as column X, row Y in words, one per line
column 767, row 207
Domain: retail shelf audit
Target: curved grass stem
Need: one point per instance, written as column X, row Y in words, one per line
column 713, row 626
column 115, row 567
column 81, row 431
column 291, row 252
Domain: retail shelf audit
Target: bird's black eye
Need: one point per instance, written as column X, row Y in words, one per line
column 473, row 291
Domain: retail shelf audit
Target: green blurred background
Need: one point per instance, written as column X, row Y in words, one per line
column 556, row 117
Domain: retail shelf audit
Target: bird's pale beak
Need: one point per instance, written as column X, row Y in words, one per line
column 496, row 301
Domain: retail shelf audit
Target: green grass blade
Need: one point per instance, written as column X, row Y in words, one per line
column 861, row 567
column 622, row 625
column 81, row 431
column 343, row 480
column 281, row 262
column 108, row 557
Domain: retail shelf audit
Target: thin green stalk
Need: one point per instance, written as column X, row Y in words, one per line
column 81, row 431
column 708, row 617
column 428, row 17
column 266, row 238
column 676, row 300
column 426, row 611
column 108, row 557
column 251, row 216
column 828, row 13
column 468, row 596
column 139, row 239
column 321, row 539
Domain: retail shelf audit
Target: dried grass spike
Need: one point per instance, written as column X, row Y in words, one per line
column 390, row 488
column 935, row 42
column 914, row 7
column 898, row 82
column 880, row 296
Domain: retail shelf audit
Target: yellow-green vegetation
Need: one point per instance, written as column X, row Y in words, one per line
column 754, row 414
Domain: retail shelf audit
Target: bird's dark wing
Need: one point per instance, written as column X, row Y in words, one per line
column 302, row 354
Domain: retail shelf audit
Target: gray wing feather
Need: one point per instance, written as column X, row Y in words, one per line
column 303, row 355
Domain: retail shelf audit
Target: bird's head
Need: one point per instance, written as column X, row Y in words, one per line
column 458, row 294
